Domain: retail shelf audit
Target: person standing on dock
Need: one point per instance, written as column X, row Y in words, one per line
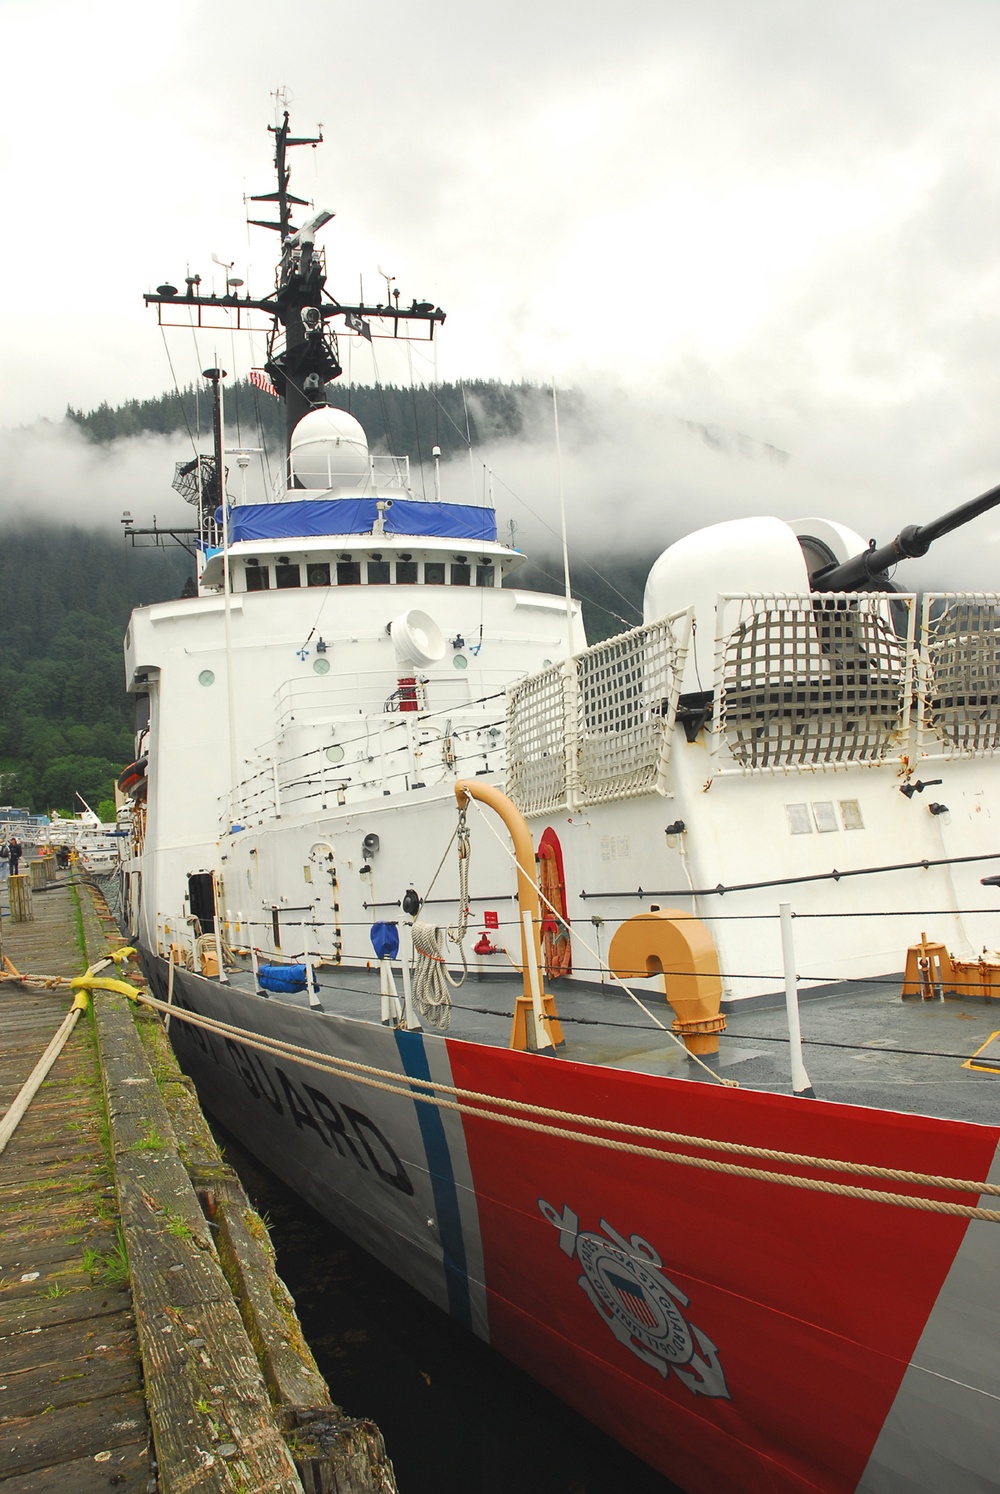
column 4, row 862
column 15, row 849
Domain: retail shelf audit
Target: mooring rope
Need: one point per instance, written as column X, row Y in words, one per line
column 471, row 1102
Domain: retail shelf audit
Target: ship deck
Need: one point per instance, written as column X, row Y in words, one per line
column 862, row 1043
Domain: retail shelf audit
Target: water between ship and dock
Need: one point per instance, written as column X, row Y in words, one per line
column 456, row 1417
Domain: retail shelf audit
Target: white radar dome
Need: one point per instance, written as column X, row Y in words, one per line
column 329, row 450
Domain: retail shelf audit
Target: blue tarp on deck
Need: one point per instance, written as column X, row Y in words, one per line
column 321, row 516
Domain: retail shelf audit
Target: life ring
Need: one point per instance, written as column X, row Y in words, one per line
column 134, row 775
column 557, row 948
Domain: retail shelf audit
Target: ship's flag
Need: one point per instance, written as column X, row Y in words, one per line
column 358, row 324
column 259, row 378
column 631, row 1296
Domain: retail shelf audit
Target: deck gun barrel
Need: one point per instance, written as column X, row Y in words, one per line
column 867, row 570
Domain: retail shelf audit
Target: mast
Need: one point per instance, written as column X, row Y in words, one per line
column 310, row 358
column 302, row 348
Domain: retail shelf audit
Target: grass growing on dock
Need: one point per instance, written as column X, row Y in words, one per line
column 111, row 1266
column 81, row 937
column 151, row 1142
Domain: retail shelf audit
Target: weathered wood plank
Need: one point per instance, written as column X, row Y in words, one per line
column 35, row 1391
column 71, row 1432
column 55, row 1276
column 18, row 1255
column 46, row 1191
column 23, row 1315
column 333, row 1453
column 30, row 1216
column 265, row 1303
column 195, row 1350
column 111, row 1335
column 126, row 1470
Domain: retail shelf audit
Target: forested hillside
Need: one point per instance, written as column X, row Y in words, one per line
column 403, row 421
column 65, row 720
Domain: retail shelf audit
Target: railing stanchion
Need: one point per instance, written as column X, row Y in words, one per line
column 800, row 1079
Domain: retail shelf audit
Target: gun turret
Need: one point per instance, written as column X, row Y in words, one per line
column 866, row 572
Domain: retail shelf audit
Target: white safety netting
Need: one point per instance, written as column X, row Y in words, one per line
column 596, row 727
column 536, row 741
column 960, row 695
column 626, row 694
column 806, row 681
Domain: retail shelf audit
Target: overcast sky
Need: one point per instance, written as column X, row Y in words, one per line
column 776, row 216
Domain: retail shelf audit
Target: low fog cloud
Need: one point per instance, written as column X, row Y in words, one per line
column 638, row 474
column 639, row 470
column 52, row 474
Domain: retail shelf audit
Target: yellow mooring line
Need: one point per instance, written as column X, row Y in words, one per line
column 92, row 980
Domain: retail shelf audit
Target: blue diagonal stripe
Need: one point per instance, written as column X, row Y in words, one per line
column 443, row 1185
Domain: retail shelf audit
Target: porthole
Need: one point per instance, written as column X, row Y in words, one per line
column 546, row 663
column 335, row 754
column 321, row 666
column 206, row 677
column 460, row 661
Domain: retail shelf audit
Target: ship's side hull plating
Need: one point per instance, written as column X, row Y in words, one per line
column 733, row 1332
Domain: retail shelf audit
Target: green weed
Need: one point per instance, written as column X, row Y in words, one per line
column 151, row 1142
column 114, row 1265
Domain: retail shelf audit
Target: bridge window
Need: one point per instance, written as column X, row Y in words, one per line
column 378, row 573
column 258, row 578
column 286, row 575
column 317, row 575
column 348, row 573
column 461, row 575
column 485, row 575
column 406, row 573
column 433, row 572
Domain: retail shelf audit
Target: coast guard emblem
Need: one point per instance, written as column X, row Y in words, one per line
column 642, row 1307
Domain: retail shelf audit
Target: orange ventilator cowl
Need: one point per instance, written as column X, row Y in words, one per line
column 679, row 947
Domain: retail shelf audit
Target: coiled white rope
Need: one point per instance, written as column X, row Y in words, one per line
column 431, row 977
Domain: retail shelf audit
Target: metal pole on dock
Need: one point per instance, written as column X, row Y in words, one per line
column 800, row 1079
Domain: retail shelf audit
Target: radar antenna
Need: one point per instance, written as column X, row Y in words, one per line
column 302, row 348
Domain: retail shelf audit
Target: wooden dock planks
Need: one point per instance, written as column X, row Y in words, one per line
column 71, row 1405
column 95, row 1198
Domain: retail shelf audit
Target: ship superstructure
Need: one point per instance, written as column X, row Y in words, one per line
column 368, row 761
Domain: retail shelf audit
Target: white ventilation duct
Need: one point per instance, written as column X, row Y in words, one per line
column 417, row 639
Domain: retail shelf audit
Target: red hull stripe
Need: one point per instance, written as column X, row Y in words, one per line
column 810, row 1304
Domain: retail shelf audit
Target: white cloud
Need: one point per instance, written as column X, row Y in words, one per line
column 776, row 218
column 53, row 474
